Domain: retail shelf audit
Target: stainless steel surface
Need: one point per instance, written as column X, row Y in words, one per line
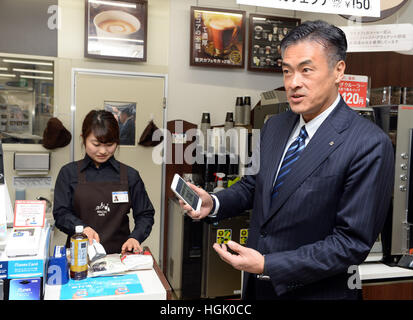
column 25, row 161
column 175, row 246
column 400, row 230
column 397, row 122
column 219, row 278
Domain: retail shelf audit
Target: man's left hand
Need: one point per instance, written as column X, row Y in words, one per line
column 246, row 259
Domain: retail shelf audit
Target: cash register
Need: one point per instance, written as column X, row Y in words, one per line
column 24, row 243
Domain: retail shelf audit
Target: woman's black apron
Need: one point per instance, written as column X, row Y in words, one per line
column 96, row 204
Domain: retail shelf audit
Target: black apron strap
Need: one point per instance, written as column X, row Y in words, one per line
column 123, row 174
column 81, row 176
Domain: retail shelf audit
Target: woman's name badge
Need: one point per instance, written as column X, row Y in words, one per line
column 120, row 197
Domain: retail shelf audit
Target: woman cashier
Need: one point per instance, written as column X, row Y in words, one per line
column 99, row 191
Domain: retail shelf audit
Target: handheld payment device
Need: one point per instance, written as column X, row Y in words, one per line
column 184, row 192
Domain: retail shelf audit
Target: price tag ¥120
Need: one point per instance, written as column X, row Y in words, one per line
column 353, row 89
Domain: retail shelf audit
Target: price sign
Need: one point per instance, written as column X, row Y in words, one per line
column 353, row 89
column 360, row 8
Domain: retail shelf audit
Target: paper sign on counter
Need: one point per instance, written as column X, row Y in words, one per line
column 29, row 213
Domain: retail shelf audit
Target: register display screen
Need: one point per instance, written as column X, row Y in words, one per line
column 187, row 193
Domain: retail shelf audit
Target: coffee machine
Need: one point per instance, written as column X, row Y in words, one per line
column 397, row 235
column 194, row 269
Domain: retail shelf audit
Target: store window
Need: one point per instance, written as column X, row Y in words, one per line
column 26, row 99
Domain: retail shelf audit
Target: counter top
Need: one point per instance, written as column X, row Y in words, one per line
column 151, row 285
column 380, row 271
column 153, row 281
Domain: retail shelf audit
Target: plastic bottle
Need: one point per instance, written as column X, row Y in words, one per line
column 220, row 183
column 78, row 254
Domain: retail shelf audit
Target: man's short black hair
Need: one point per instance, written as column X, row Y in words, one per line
column 333, row 39
column 127, row 110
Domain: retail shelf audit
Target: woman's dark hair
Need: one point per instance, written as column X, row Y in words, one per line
column 333, row 39
column 103, row 125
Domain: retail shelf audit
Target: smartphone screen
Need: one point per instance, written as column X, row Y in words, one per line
column 187, row 193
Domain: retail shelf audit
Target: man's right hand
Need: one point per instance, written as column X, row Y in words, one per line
column 206, row 207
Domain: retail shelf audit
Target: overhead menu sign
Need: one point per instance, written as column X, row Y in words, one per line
column 359, row 8
column 384, row 37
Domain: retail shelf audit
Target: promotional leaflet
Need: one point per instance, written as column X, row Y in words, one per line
column 28, row 226
column 101, row 286
column 379, row 38
column 29, row 213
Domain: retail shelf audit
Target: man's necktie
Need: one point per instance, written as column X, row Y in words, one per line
column 291, row 156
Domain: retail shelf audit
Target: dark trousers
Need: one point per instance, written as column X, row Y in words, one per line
column 264, row 290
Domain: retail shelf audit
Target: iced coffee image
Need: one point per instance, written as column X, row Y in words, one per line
column 218, row 37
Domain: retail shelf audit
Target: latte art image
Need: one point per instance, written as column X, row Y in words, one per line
column 116, row 24
column 117, row 27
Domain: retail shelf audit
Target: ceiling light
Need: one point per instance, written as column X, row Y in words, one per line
column 36, row 77
column 223, row 13
column 116, row 39
column 3, row 69
column 32, row 71
column 7, row 75
column 28, row 62
column 113, row 3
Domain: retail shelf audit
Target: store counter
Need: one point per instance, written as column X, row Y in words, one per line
column 143, row 285
column 381, row 272
column 382, row 282
column 134, row 285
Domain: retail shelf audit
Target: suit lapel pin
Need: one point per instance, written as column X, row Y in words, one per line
column 331, row 143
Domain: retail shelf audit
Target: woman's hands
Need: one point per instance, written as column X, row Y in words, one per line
column 130, row 245
column 91, row 234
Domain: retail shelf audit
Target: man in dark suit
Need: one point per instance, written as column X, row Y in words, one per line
column 324, row 183
column 127, row 126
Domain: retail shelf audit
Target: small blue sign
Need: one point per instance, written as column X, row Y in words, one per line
column 3, row 269
column 25, row 268
column 25, row 289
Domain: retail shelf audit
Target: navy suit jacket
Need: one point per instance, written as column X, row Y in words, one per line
column 329, row 211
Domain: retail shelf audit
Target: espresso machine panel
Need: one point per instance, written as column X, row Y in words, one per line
column 397, row 122
column 220, row 279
